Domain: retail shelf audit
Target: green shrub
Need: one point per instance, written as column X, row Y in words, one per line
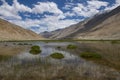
column 35, row 50
column 70, row 46
column 57, row 55
column 90, row 55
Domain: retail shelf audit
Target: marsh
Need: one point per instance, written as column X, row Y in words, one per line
column 16, row 63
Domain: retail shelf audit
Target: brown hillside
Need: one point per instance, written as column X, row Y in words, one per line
column 9, row 31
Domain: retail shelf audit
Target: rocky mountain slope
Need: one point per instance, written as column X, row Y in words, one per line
column 102, row 26
column 9, row 31
column 47, row 34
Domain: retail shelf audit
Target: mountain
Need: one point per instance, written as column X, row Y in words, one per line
column 100, row 26
column 47, row 34
column 9, row 31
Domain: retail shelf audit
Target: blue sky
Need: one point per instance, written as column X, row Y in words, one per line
column 48, row 15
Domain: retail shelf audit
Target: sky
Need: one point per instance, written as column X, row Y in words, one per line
column 49, row 15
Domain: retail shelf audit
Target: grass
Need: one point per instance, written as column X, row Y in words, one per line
column 22, row 44
column 57, row 55
column 70, row 46
column 115, row 42
column 35, row 50
column 63, row 40
column 74, row 40
column 4, row 57
column 90, row 55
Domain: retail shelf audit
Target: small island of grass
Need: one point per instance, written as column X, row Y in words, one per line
column 90, row 55
column 35, row 50
column 57, row 55
column 70, row 46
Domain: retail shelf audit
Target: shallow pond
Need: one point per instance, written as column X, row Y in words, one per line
column 17, row 63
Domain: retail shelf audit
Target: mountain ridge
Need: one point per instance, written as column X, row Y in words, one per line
column 9, row 31
column 102, row 26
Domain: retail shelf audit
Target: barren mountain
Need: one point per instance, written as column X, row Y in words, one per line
column 102, row 26
column 9, row 31
column 47, row 34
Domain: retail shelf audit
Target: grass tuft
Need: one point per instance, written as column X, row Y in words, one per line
column 57, row 55
column 90, row 55
column 70, row 46
column 35, row 50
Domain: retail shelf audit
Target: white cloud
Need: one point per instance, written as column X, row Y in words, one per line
column 12, row 11
column 8, row 11
column 90, row 9
column 69, row 14
column 42, row 7
column 20, row 7
column 97, row 4
column 51, row 23
column 86, row 10
column 68, row 6
column 117, row 3
column 26, row 23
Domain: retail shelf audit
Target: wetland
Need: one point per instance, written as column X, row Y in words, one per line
column 77, row 60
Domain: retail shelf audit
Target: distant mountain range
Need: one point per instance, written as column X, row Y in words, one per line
column 100, row 26
column 9, row 31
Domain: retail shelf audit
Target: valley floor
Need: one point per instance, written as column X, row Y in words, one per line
column 17, row 63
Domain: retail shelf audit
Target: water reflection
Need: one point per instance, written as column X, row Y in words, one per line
column 46, row 52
